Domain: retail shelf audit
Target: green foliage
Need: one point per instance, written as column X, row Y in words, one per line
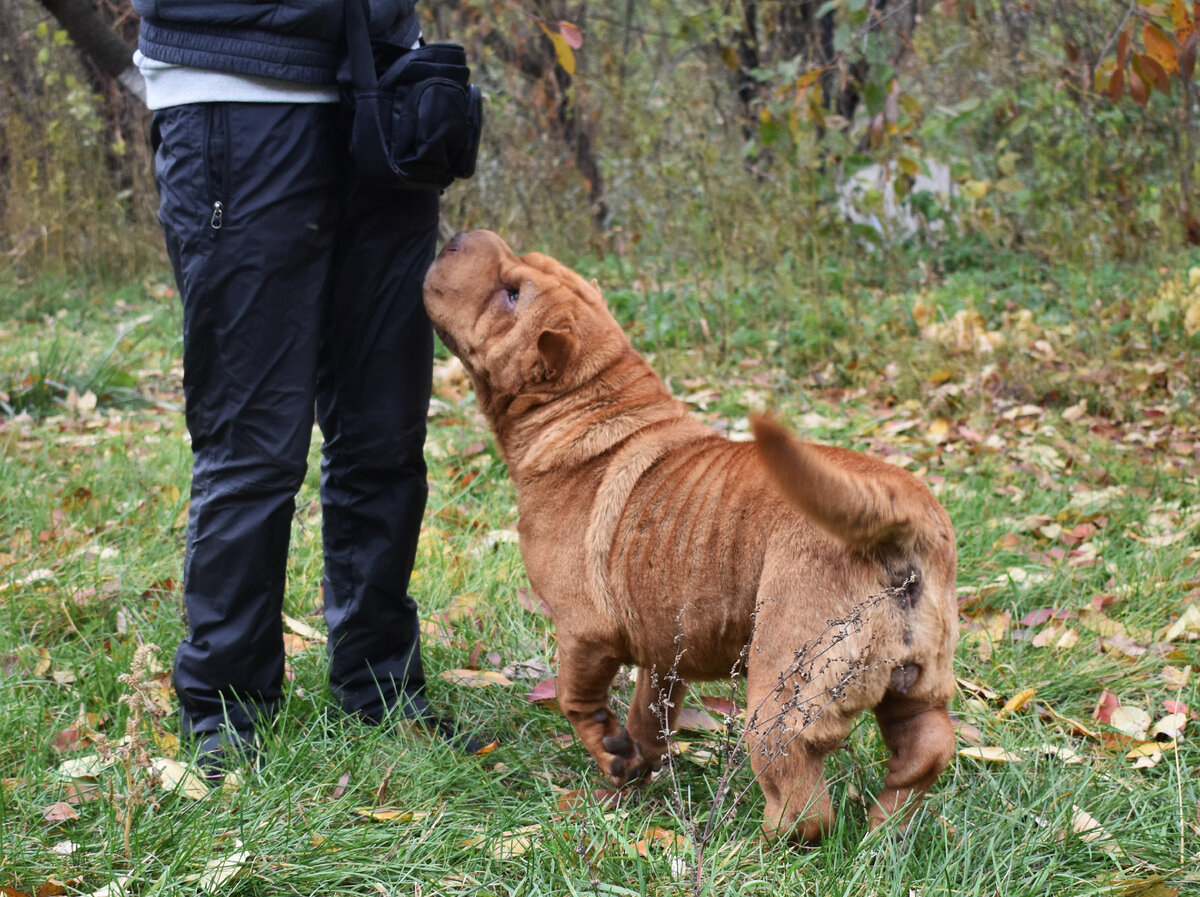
column 93, row 510
column 75, row 183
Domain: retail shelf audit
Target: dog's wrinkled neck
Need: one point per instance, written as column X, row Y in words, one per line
column 585, row 422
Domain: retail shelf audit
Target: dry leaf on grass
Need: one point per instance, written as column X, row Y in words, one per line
column 693, row 720
column 476, row 678
column 178, row 778
column 391, row 814
column 302, row 629
column 1016, row 702
column 220, row 870
column 990, row 754
column 662, row 838
column 59, row 812
column 1187, row 627
column 1131, row 721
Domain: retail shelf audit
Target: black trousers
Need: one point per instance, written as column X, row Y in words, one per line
column 301, row 290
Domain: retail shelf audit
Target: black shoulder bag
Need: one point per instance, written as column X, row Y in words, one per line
column 417, row 124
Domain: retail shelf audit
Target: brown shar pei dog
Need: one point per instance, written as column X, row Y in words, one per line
column 824, row 576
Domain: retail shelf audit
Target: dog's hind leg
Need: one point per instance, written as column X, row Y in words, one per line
column 787, row 740
column 921, row 739
column 585, row 671
column 652, row 713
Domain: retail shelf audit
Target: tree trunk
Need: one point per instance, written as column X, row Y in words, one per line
column 100, row 43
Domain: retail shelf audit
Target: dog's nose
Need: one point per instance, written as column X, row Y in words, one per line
column 453, row 244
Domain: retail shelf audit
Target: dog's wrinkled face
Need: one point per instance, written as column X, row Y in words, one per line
column 517, row 323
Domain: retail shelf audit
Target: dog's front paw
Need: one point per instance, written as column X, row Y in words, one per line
column 626, row 762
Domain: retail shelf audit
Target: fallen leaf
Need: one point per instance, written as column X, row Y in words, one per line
column 1186, row 627
column 68, row 740
column 391, row 814
column 179, row 779
column 533, row 668
column 1124, row 645
column 476, row 678
column 1088, row 827
column 532, row 602
column 302, row 629
column 60, row 811
column 1055, row 636
column 340, row 788
column 691, row 719
column 720, row 706
column 580, row 797
column 1106, row 706
column 545, row 692
column 976, row 689
column 967, row 733
column 662, row 838
column 86, row 767
column 220, row 870
column 1065, row 754
column 1016, row 702
column 1131, row 721
column 1169, row 728
column 295, row 644
column 516, row 842
column 990, row 754
column 115, row 888
column 1074, row 726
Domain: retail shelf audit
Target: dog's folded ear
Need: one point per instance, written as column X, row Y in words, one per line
column 555, row 350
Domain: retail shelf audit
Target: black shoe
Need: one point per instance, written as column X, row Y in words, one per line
column 447, row 730
column 415, row 709
column 219, row 752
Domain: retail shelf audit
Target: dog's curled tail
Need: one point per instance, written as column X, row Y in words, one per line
column 861, row 501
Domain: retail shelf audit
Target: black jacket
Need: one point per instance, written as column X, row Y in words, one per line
column 295, row 40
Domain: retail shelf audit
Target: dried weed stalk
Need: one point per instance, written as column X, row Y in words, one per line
column 813, row 660
column 132, row 752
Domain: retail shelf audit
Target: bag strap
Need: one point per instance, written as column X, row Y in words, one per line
column 362, row 59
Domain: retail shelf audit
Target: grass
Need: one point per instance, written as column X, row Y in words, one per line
column 1059, row 507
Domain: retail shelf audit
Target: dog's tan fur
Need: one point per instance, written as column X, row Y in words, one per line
column 824, row 576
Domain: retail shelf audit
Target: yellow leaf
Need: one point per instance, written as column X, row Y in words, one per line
column 178, row 778
column 1009, row 185
column 990, row 754
column 1153, row 749
column 1016, row 702
column 976, row 189
column 476, row 678
column 566, row 56
column 1160, row 48
column 302, row 629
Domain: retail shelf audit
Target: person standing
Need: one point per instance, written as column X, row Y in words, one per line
column 301, row 287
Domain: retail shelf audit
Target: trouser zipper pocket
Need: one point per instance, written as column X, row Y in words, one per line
column 217, row 153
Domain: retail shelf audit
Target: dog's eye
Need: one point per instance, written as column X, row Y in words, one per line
column 508, row 297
